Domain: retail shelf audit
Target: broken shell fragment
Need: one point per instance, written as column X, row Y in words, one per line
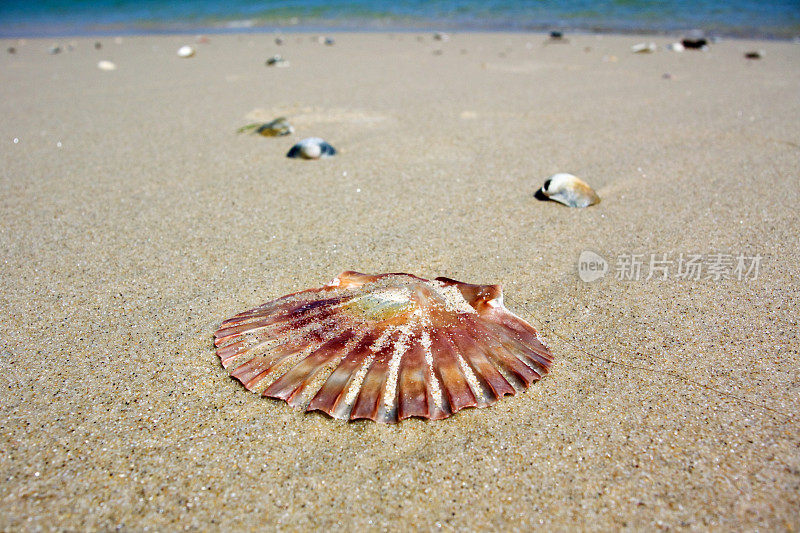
column 385, row 347
column 186, row 51
column 643, row 48
column 569, row 190
column 277, row 61
column 106, row 65
column 311, row 148
column 278, row 127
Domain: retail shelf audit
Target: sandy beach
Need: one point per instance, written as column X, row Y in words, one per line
column 134, row 220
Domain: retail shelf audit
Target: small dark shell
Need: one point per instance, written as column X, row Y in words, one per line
column 311, row 148
column 696, row 44
column 384, row 347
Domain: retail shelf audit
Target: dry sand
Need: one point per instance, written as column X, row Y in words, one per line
column 134, row 220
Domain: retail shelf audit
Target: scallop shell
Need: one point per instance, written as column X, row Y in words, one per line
column 384, row 347
column 186, row 51
column 569, row 190
column 311, row 148
column 278, row 127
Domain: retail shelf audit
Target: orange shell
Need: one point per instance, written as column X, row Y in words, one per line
column 384, row 347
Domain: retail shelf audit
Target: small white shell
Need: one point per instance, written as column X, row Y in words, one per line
column 186, row 51
column 106, row 65
column 643, row 48
column 569, row 190
column 676, row 47
column 311, row 148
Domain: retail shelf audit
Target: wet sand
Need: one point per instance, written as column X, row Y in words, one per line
column 134, row 220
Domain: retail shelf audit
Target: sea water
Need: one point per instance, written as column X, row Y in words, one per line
column 744, row 18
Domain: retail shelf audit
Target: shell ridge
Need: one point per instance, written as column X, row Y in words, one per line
column 535, row 359
column 246, row 351
column 401, row 347
column 271, row 339
column 321, row 373
column 412, row 394
column 479, row 389
column 288, row 358
column 527, row 332
column 434, row 389
column 290, row 347
column 266, row 321
column 292, row 384
column 253, row 371
column 448, row 368
column 371, row 390
column 353, row 388
column 332, row 396
column 512, row 361
column 493, row 385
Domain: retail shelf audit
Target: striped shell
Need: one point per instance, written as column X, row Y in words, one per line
column 384, row 347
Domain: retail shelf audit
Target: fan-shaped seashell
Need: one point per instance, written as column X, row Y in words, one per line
column 311, row 148
column 385, row 347
column 106, row 65
column 186, row 51
column 278, row 127
column 569, row 190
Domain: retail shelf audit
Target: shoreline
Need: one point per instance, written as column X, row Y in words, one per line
column 543, row 29
column 317, row 31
